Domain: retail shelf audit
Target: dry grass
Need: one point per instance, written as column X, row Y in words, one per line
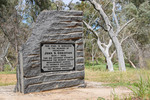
column 113, row 78
column 138, row 81
column 128, row 77
column 7, row 79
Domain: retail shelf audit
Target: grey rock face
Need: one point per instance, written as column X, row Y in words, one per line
column 51, row 27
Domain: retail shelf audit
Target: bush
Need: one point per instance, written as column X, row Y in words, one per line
column 141, row 89
column 7, row 67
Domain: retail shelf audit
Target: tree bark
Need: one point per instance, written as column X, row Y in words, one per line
column 106, row 54
column 106, row 64
column 140, row 55
column 105, row 49
column 109, row 64
column 1, row 64
column 120, row 56
column 132, row 64
column 112, row 35
column 141, row 60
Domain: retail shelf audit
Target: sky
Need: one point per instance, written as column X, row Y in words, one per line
column 67, row 1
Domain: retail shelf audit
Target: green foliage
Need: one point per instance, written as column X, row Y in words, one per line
column 148, row 63
column 100, row 98
column 42, row 4
column 34, row 7
column 3, row 2
column 130, row 10
column 8, row 72
column 6, row 8
column 141, row 89
column 137, row 2
column 144, row 12
column 141, row 13
column 87, row 9
column 100, row 67
column 7, row 68
column 123, row 97
column 115, row 96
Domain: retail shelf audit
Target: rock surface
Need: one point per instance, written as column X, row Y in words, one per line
column 51, row 27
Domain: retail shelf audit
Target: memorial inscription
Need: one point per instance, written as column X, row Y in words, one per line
column 57, row 57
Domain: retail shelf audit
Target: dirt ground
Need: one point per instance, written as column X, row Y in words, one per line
column 7, row 78
column 91, row 92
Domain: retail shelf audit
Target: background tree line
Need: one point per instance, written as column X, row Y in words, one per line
column 128, row 19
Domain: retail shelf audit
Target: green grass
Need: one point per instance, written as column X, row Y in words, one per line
column 8, row 72
column 136, row 80
column 6, row 84
column 141, row 89
column 102, row 66
column 7, row 78
column 117, row 78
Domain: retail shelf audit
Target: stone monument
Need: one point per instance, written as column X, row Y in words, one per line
column 53, row 56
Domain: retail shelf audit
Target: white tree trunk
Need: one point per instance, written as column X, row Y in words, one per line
column 109, row 64
column 106, row 54
column 111, row 33
column 105, row 49
column 120, row 56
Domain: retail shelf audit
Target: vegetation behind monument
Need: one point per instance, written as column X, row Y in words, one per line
column 18, row 17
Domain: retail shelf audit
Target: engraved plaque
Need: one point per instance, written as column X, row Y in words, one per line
column 57, row 57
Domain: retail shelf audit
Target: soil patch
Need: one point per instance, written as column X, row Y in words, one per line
column 7, row 79
column 91, row 92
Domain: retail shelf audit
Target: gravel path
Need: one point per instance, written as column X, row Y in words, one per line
column 91, row 92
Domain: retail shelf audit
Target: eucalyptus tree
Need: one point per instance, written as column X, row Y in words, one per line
column 113, row 32
column 32, row 8
column 13, row 31
column 140, row 10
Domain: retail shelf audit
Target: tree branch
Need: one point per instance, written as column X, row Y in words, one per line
column 106, row 5
column 9, row 63
column 101, row 47
column 102, row 27
column 115, row 17
column 127, row 37
column 6, row 50
column 112, row 54
column 109, row 44
column 124, row 26
column 5, row 33
column 132, row 64
column 98, row 7
column 104, row 44
column 69, row 5
column 90, row 28
column 90, row 21
column 98, row 40
column 136, row 45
